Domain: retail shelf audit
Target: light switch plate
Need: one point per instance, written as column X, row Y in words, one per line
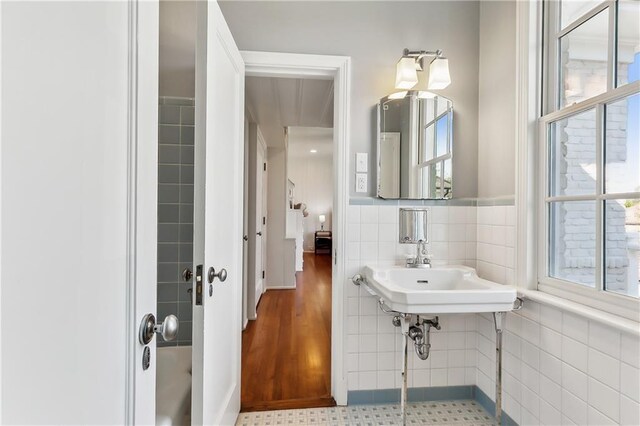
column 362, row 162
column 361, row 182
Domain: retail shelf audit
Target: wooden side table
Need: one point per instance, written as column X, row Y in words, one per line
column 323, row 242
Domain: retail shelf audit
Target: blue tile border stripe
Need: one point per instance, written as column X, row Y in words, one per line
column 443, row 393
column 370, row 201
column 502, row 201
column 479, row 202
column 391, row 396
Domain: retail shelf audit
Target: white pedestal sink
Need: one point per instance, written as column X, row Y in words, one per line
column 438, row 290
column 409, row 293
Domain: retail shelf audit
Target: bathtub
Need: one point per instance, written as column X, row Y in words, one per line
column 173, row 386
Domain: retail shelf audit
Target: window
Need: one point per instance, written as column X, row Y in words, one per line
column 590, row 151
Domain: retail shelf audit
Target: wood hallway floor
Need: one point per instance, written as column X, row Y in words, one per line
column 286, row 352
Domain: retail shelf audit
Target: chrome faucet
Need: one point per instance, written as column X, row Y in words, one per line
column 421, row 259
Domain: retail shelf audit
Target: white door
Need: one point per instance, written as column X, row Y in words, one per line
column 78, row 206
column 260, row 225
column 218, row 219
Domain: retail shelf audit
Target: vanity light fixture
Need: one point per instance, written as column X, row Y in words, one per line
column 406, row 73
column 413, row 61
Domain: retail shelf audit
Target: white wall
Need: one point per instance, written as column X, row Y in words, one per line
column 313, row 178
column 374, row 34
column 497, row 100
column 279, row 250
column 312, row 175
column 177, row 55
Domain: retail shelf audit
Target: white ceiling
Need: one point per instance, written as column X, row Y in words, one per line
column 276, row 103
column 303, row 139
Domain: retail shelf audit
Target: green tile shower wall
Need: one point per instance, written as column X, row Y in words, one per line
column 175, row 211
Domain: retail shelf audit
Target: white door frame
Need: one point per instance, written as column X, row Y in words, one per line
column 338, row 69
column 143, row 202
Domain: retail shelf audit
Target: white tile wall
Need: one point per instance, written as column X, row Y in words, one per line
column 373, row 344
column 559, row 368
column 571, row 383
column 496, row 243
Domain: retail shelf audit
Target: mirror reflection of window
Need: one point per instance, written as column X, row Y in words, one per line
column 414, row 143
column 442, row 135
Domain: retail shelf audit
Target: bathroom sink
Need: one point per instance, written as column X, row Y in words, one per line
column 438, row 290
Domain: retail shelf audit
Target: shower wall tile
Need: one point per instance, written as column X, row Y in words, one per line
column 175, row 211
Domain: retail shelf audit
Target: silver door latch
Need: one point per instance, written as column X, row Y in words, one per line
column 167, row 329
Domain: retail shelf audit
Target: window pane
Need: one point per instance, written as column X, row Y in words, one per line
column 428, row 144
column 583, row 60
column 443, row 105
column 628, row 41
column 622, row 145
column 572, row 241
column 573, row 9
column 572, row 155
column 429, row 181
column 442, row 132
column 622, row 246
column 446, row 190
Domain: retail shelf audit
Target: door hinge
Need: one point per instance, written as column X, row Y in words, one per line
column 264, row 166
column 335, row 256
column 264, row 220
column 263, row 275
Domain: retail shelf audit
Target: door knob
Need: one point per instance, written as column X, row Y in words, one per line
column 259, row 233
column 221, row 275
column 167, row 329
column 187, row 275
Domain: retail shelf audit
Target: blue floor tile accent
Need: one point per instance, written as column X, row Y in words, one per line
column 443, row 393
column 488, row 404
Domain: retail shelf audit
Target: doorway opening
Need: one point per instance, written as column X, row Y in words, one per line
column 175, row 204
column 289, row 170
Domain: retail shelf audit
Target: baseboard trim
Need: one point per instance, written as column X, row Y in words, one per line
column 489, row 405
column 392, row 396
column 440, row 393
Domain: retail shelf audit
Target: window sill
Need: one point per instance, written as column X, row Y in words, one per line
column 622, row 324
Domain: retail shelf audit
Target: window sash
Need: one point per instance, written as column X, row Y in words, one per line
column 553, row 34
column 616, row 303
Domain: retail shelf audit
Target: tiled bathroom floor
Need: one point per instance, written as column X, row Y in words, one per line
column 465, row 412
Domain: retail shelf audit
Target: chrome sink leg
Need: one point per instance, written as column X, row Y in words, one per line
column 498, row 321
column 403, row 400
column 406, row 322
